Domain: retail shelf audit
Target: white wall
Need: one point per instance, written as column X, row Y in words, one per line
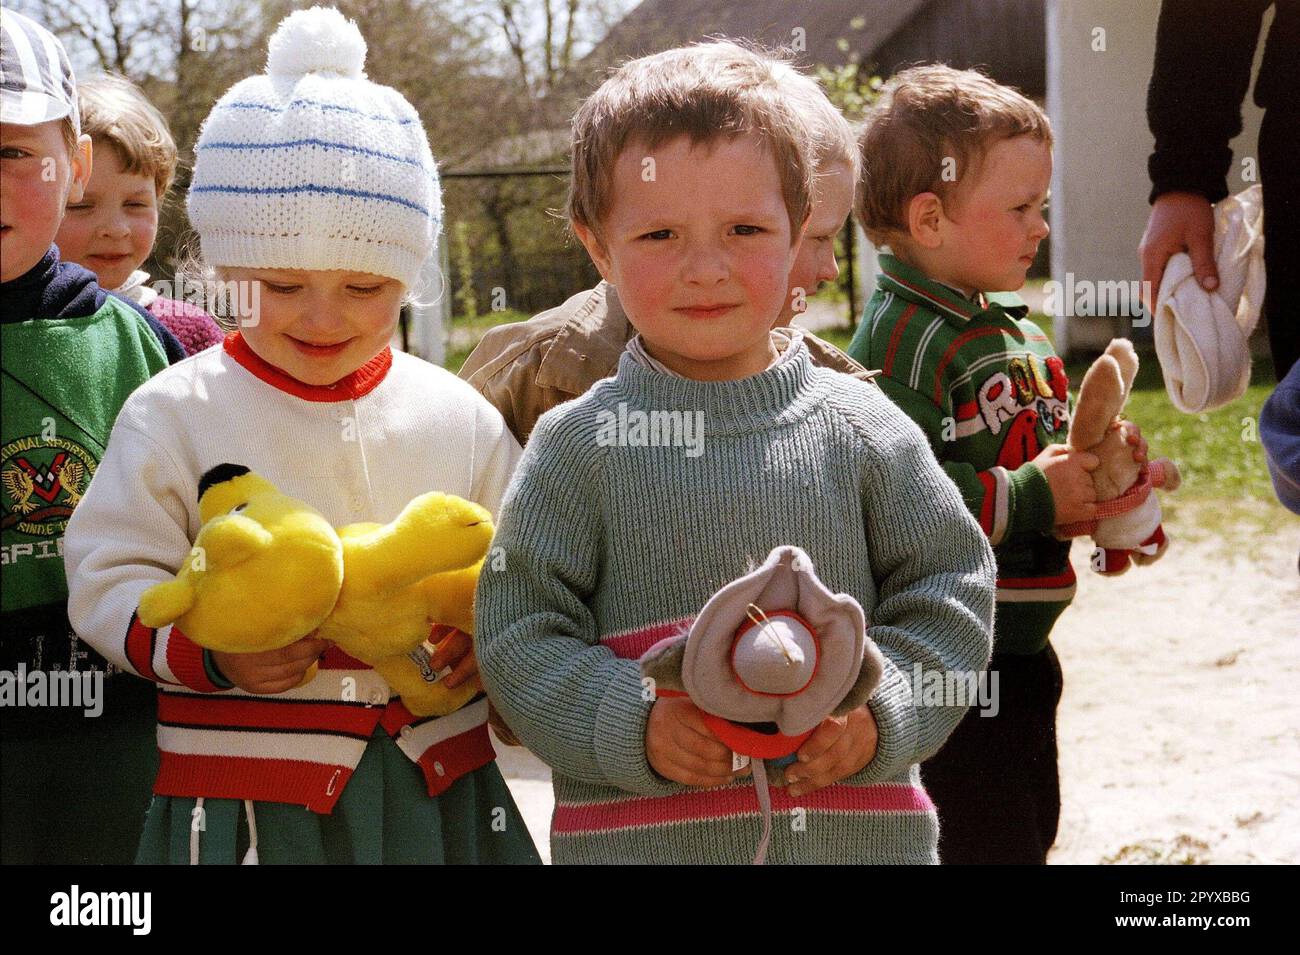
column 1097, row 103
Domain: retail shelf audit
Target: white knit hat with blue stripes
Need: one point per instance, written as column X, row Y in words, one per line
column 312, row 166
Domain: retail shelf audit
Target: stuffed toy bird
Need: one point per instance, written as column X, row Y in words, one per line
column 264, row 571
column 1128, row 513
column 268, row 569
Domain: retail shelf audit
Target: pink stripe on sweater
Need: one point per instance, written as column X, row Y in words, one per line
column 710, row 804
column 630, row 644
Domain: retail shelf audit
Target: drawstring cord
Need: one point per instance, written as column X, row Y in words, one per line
column 197, row 824
column 759, row 773
column 250, row 857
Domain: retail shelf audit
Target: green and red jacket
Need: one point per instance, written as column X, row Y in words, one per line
column 71, row 355
column 986, row 387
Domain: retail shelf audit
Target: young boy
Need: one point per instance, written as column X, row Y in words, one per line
column 111, row 228
column 527, row 368
column 955, row 178
column 71, row 354
column 691, row 188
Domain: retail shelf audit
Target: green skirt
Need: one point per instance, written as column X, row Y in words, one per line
column 385, row 815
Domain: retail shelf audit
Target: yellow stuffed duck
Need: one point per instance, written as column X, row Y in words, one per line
column 376, row 590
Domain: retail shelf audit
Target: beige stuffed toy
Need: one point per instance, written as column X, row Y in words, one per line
column 1128, row 513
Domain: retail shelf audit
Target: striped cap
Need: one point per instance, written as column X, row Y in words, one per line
column 312, row 166
column 36, row 80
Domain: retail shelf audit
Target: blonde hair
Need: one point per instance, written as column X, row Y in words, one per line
column 927, row 119
column 115, row 111
column 68, row 130
column 707, row 91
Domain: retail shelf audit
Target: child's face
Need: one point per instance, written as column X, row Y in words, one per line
column 111, row 229
column 37, row 178
column 698, row 245
column 815, row 264
column 990, row 238
column 319, row 326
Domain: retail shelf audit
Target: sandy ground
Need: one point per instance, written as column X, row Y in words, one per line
column 1180, row 721
column 1179, row 726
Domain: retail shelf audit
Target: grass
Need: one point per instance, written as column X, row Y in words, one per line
column 481, row 323
column 465, row 333
column 455, row 359
column 1218, row 453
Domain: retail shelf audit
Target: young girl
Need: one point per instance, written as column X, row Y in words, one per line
column 111, row 229
column 318, row 186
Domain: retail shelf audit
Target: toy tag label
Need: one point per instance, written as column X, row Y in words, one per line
column 738, row 762
column 421, row 657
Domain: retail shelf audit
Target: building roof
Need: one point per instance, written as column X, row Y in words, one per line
column 1006, row 37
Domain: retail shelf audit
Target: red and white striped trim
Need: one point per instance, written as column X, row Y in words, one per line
column 1037, row 589
column 994, row 509
column 303, row 745
column 707, row 805
column 630, row 644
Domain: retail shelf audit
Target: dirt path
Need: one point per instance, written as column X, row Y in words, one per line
column 1180, row 721
column 1179, row 726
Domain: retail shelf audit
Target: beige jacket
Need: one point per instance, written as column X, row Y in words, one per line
column 527, row 368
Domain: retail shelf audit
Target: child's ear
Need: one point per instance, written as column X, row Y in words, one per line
column 924, row 214
column 81, row 161
column 599, row 257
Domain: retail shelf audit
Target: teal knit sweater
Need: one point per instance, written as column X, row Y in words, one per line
column 605, row 546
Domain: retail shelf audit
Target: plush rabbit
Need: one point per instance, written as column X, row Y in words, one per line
column 1128, row 513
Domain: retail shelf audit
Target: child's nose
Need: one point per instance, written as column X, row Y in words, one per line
column 830, row 269
column 115, row 226
column 705, row 266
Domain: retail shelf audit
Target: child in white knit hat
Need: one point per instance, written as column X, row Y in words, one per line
column 317, row 188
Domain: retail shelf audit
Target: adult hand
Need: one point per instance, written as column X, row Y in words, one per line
column 1179, row 222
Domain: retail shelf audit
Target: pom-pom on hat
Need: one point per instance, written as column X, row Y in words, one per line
column 312, row 166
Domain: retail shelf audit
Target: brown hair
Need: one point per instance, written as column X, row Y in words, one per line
column 707, row 91
column 927, row 115
column 114, row 111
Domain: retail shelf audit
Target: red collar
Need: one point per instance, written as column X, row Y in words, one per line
column 361, row 382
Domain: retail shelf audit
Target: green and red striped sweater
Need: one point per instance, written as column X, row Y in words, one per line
column 986, row 387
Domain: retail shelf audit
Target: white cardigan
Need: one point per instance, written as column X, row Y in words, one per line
column 356, row 452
